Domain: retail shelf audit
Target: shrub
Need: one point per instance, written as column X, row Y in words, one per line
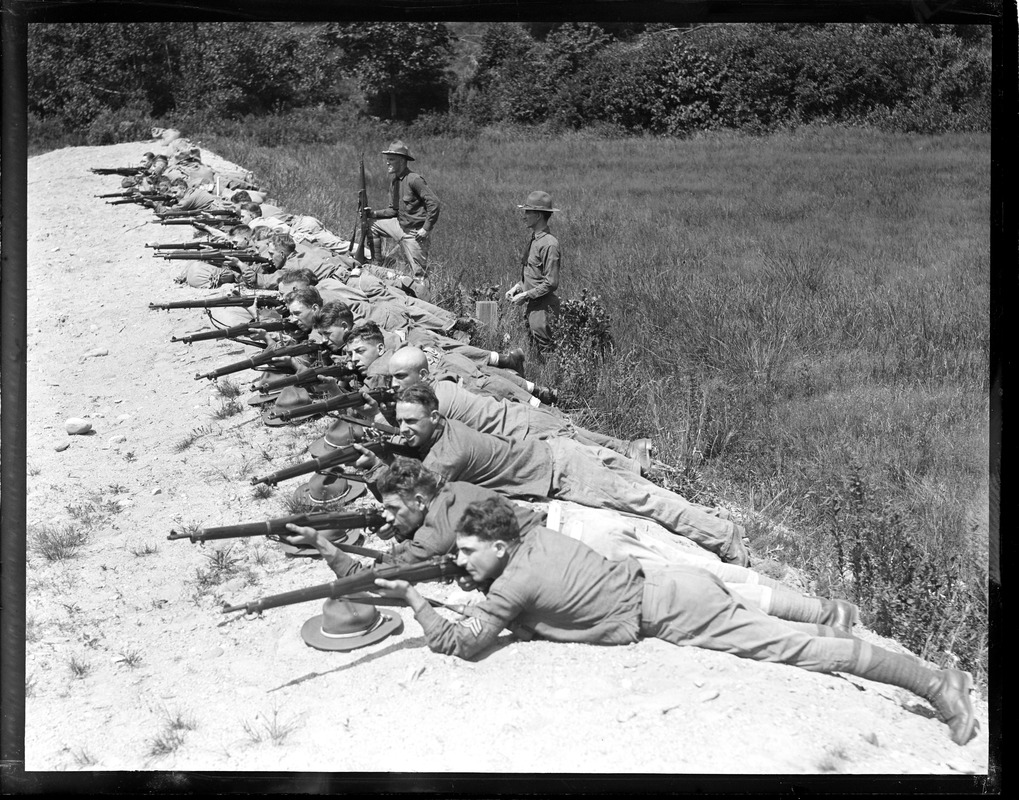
column 58, row 544
column 932, row 599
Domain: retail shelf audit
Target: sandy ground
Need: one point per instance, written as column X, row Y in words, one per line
column 130, row 666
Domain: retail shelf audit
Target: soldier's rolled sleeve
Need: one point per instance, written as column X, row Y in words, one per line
column 465, row 638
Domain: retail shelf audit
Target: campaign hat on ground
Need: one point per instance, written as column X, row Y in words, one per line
column 290, row 397
column 339, row 435
column 343, row 625
column 398, row 148
column 538, row 201
column 327, row 490
column 259, row 399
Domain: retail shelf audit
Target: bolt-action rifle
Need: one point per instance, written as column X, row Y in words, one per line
column 342, row 456
column 148, row 200
column 336, row 403
column 213, row 220
column 305, row 377
column 214, row 256
column 127, row 172
column 192, row 245
column 227, row 301
column 264, row 358
column 243, row 329
column 199, row 212
column 319, row 520
column 440, row 568
column 363, row 224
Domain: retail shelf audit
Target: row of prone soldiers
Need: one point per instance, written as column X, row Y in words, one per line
column 561, row 528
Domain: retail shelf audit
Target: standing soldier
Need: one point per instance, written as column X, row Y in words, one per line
column 412, row 213
column 539, row 277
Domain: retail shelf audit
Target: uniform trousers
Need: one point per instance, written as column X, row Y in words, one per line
column 540, row 313
column 685, row 605
column 599, row 477
column 413, row 249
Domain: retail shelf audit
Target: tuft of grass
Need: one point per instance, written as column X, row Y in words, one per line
column 116, row 488
column 260, row 554
column 79, row 669
column 295, row 505
column 191, row 437
column 171, row 736
column 262, row 492
column 165, row 742
column 130, row 658
column 83, row 758
column 88, row 512
column 57, row 543
column 273, row 728
column 188, row 527
column 228, row 388
column 222, row 564
column 227, row 409
column 146, row 549
column 129, row 456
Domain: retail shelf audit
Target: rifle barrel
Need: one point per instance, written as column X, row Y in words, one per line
column 341, row 456
column 322, row 521
column 441, row 568
column 262, row 358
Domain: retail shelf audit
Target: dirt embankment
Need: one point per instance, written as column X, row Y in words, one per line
column 131, row 667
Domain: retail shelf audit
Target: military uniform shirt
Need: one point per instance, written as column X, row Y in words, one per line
column 553, row 587
column 513, row 468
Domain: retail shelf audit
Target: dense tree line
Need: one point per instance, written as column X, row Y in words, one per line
column 628, row 78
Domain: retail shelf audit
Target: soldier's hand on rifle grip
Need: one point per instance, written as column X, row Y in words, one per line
column 368, row 459
column 302, row 534
column 371, row 405
column 369, row 213
column 467, row 583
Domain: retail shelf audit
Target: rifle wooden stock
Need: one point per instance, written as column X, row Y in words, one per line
column 235, row 330
column 305, row 376
column 320, row 521
column 337, row 403
column 263, row 358
column 229, row 301
column 441, row 568
column 341, row 456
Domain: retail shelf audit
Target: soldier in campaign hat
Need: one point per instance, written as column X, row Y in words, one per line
column 410, row 217
column 539, row 276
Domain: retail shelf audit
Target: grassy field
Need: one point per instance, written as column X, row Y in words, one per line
column 800, row 321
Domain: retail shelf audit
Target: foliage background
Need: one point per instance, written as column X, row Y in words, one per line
column 101, row 81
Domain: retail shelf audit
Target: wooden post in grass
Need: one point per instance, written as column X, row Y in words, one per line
column 487, row 313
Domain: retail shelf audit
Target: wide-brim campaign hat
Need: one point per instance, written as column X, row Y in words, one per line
column 288, row 398
column 340, row 434
column 343, row 625
column 327, row 490
column 259, row 399
column 538, row 201
column 398, row 148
